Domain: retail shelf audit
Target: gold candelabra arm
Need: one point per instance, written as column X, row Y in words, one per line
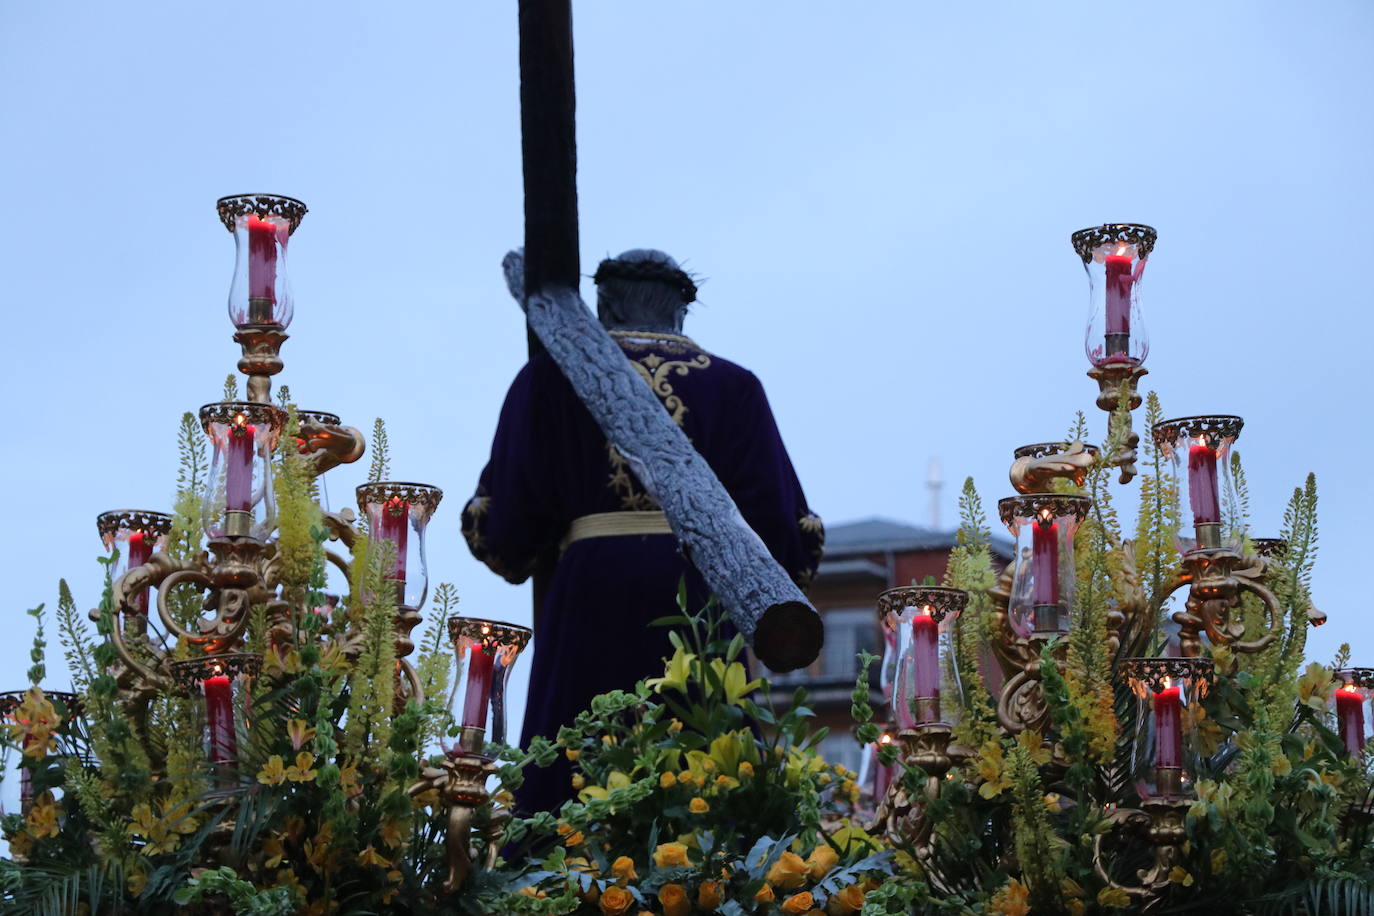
column 329, row 445
column 1161, row 819
column 461, row 783
column 340, row 527
column 261, row 359
column 1037, row 467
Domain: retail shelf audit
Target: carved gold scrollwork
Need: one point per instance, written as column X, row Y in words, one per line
column 1216, row 579
column 1037, row 466
column 1021, row 704
column 1161, row 820
column 460, row 780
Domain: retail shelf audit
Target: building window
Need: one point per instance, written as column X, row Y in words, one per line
column 842, row 750
column 847, row 633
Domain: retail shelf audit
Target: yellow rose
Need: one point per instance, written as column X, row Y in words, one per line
column 746, row 769
column 673, row 897
column 578, row 781
column 848, row 900
column 764, row 894
column 573, row 754
column 667, row 781
column 574, row 839
column 798, row 903
column 698, row 805
column 669, row 854
column 821, row 861
column 788, row 873
column 624, row 869
column 615, row 900
column 710, row 895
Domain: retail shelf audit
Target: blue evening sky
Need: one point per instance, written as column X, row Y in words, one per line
column 879, row 195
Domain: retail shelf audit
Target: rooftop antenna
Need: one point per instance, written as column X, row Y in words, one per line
column 935, row 482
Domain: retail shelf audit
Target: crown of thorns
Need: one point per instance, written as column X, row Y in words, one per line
column 611, row 268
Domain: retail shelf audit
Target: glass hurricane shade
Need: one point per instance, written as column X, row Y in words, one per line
column 260, row 293
column 238, row 499
column 1043, row 579
column 223, row 684
column 1199, row 450
column 136, row 534
column 398, row 513
column 1168, row 691
column 1350, row 701
column 919, row 617
column 486, row 650
column 1114, row 257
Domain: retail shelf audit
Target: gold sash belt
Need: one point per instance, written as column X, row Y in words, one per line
column 614, row 524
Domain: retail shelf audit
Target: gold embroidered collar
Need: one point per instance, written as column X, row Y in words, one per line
column 664, row 336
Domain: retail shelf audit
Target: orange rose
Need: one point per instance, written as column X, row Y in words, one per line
column 709, row 896
column 698, row 805
column 798, row 903
column 668, row 854
column 624, row 869
column 764, row 894
column 673, row 897
column 788, row 873
column 821, row 861
column 848, row 900
column 615, row 900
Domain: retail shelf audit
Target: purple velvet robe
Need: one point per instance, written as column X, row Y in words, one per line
column 551, row 464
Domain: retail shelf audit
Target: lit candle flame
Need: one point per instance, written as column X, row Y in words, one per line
column 1121, row 248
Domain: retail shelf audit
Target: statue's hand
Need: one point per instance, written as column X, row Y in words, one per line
column 514, row 266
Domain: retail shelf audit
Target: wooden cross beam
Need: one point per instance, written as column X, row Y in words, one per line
column 765, row 605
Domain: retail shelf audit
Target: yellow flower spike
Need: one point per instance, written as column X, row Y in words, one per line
column 667, row 780
column 698, row 805
column 301, row 771
column 821, row 860
column 273, row 772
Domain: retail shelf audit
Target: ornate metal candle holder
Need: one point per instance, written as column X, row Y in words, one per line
column 1114, row 257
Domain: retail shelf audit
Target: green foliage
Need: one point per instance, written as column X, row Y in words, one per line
column 241, row 895
column 1160, row 517
column 371, row 684
column 381, row 453
column 77, row 647
column 231, row 387
column 434, row 666
column 970, row 568
column 299, row 518
column 38, row 670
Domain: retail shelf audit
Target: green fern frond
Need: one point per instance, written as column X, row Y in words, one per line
column 231, row 387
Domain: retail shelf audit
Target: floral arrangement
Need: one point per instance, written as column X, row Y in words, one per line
column 691, row 793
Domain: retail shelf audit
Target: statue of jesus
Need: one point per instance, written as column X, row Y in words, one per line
column 554, row 486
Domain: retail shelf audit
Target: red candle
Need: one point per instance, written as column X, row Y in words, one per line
column 1045, row 563
column 1169, row 727
column 1350, row 719
column 219, row 716
column 1119, row 282
column 262, row 263
column 394, row 525
column 480, row 663
column 238, row 465
column 140, row 547
column 1202, row 484
column 925, row 652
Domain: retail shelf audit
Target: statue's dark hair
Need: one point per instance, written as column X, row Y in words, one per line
column 643, row 287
